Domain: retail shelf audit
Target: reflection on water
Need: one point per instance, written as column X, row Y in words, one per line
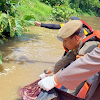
column 28, row 37
column 26, row 57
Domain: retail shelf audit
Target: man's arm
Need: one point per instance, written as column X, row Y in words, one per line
column 67, row 59
column 77, row 72
column 80, row 70
column 50, row 26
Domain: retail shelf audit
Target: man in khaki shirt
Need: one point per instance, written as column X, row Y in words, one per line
column 80, row 70
column 72, row 35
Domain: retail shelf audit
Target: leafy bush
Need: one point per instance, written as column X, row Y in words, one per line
column 86, row 6
column 28, row 20
column 91, row 13
column 10, row 25
column 53, row 2
column 62, row 13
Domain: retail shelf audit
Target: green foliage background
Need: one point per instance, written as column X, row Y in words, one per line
column 9, row 19
column 35, row 8
column 63, row 12
column 18, row 13
column 83, row 7
column 53, row 2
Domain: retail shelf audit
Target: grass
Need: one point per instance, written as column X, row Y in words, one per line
column 40, row 10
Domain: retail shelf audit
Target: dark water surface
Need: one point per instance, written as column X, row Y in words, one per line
column 25, row 57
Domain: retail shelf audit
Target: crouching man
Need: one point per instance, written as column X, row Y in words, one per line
column 72, row 35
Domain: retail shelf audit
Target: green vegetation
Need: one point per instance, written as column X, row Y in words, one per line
column 53, row 2
column 42, row 11
column 10, row 24
column 39, row 10
column 88, row 7
column 62, row 13
column 15, row 14
column 82, row 7
column 59, row 10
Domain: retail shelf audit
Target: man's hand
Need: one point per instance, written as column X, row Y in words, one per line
column 47, row 83
column 37, row 23
column 42, row 76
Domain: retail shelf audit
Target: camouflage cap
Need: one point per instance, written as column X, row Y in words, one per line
column 69, row 28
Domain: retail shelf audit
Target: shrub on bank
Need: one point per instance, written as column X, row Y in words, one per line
column 62, row 13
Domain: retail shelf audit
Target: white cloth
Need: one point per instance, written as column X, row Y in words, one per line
column 42, row 76
column 47, row 83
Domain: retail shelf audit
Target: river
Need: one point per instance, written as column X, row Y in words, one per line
column 26, row 57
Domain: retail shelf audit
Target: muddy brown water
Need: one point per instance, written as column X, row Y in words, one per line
column 26, row 57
